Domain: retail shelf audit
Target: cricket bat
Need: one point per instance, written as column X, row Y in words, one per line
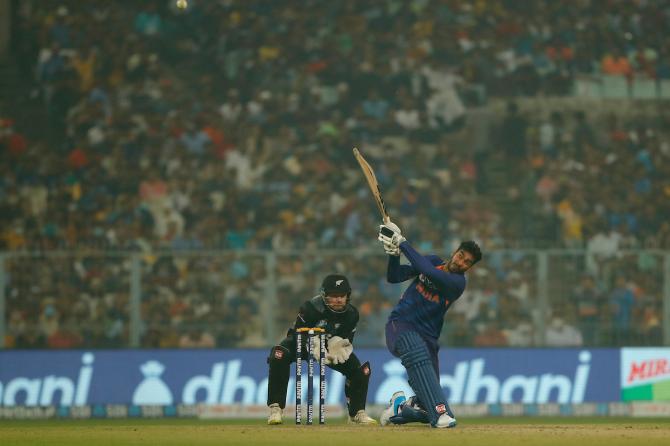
column 372, row 183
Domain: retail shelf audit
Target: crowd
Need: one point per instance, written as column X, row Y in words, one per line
column 230, row 126
column 232, row 299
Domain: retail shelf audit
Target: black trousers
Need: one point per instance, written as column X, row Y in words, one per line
column 280, row 359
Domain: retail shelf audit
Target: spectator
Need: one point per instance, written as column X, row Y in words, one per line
column 587, row 301
column 196, row 338
column 490, row 335
column 560, row 333
column 615, row 63
column 621, row 304
column 513, row 134
column 144, row 150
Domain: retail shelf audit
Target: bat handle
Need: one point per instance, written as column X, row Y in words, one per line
column 386, row 219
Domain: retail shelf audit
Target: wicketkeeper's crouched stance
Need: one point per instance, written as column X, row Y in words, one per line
column 331, row 311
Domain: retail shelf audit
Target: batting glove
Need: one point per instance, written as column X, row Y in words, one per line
column 389, row 248
column 396, row 239
column 393, row 227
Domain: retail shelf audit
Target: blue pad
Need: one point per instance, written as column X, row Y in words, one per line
column 421, row 374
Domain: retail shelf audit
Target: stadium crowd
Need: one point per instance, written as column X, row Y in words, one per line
column 229, row 126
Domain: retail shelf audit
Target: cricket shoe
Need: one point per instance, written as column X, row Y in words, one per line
column 445, row 421
column 275, row 414
column 394, row 405
column 362, row 418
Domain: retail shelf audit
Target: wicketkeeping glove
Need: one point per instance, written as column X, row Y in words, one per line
column 316, row 348
column 339, row 350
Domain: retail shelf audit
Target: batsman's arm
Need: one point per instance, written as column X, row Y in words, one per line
column 396, row 273
column 448, row 282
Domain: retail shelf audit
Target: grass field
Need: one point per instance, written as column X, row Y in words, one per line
column 474, row 431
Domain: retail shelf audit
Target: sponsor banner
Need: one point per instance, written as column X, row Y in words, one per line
column 470, row 410
column 645, row 374
column 138, row 378
column 650, row 410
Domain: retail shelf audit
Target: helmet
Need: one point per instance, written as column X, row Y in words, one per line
column 335, row 284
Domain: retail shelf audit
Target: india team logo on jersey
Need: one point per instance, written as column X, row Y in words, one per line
column 427, row 289
column 426, row 282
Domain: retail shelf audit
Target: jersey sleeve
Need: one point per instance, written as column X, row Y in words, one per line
column 307, row 316
column 450, row 283
column 352, row 322
column 396, row 273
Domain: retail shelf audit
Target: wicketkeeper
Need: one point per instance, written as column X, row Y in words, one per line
column 331, row 310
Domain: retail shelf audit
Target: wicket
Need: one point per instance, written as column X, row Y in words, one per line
column 311, row 332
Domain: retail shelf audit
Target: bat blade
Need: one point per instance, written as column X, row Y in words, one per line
column 370, row 177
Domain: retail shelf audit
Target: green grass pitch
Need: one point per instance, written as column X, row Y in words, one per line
column 475, row 431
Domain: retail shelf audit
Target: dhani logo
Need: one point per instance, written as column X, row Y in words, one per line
column 471, row 383
column 650, row 368
column 49, row 389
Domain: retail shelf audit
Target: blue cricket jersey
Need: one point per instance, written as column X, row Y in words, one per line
column 431, row 293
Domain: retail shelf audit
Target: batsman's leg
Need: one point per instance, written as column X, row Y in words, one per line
column 422, row 377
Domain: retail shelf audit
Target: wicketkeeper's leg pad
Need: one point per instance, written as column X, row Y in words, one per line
column 356, row 388
column 280, row 368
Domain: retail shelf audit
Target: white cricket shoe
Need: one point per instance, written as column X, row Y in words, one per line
column 275, row 414
column 396, row 400
column 362, row 418
column 445, row 421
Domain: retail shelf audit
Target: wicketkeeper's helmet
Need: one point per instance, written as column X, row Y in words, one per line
column 335, row 284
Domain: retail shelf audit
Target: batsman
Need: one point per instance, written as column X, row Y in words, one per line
column 415, row 324
column 332, row 311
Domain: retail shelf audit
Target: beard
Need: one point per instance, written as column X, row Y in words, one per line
column 452, row 268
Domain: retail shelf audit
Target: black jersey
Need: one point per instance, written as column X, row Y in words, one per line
column 315, row 314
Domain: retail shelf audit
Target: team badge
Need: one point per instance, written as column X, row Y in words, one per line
column 426, row 281
column 440, row 409
column 279, row 353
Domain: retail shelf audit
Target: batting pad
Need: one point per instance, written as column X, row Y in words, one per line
column 421, row 375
